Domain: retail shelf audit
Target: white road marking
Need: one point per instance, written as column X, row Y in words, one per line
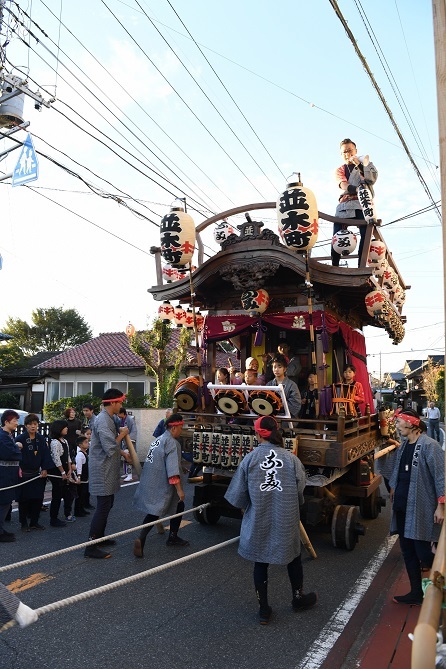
column 336, row 625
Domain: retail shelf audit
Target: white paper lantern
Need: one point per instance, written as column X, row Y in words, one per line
column 374, row 302
column 390, row 279
column 222, row 230
column 179, row 316
column 344, row 242
column 166, row 312
column 255, row 302
column 177, row 236
column 379, row 267
column 377, row 251
column 298, row 216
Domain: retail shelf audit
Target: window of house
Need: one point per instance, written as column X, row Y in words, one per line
column 98, row 388
column 84, row 387
column 66, row 389
column 119, row 385
column 137, row 388
column 52, row 394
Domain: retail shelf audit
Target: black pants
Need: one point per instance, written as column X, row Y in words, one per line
column 61, row 491
column 31, row 508
column 174, row 523
column 83, row 498
column 335, row 257
column 416, row 553
column 104, row 505
column 294, row 568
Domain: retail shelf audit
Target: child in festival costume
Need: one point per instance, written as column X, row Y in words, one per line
column 268, row 485
column 80, row 504
column 358, row 390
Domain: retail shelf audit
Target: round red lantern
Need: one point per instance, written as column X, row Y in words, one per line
column 377, row 251
column 199, row 319
column 344, row 242
column 177, row 236
column 166, row 312
column 255, row 302
column 297, row 215
column 179, row 316
column 374, row 302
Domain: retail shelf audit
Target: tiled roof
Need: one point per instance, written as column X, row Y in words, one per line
column 33, row 368
column 108, row 350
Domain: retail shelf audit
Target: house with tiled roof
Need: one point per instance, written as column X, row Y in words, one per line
column 27, row 382
column 106, row 362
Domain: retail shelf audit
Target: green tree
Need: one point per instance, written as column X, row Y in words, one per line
column 151, row 346
column 9, row 401
column 11, row 356
column 440, row 391
column 52, row 329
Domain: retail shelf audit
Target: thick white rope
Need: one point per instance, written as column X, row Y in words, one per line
column 49, row 476
column 69, row 549
column 123, row 581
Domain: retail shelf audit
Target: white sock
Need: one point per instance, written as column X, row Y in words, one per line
column 25, row 615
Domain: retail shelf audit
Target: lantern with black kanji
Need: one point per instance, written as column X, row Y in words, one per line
column 222, row 230
column 374, row 302
column 390, row 279
column 166, row 312
column 379, row 267
column 377, row 251
column 344, row 242
column 255, row 302
column 297, row 215
column 177, row 236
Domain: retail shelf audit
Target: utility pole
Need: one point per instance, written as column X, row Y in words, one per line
column 12, row 94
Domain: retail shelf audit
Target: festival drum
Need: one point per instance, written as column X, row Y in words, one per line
column 265, row 402
column 186, row 393
column 343, row 394
column 230, row 401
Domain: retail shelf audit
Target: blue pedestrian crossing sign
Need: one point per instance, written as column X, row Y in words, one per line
column 27, row 168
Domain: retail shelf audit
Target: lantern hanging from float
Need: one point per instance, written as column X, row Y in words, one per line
column 365, row 198
column 297, row 215
column 222, row 230
column 379, row 267
column 390, row 279
column 130, row 330
column 400, row 297
column 344, row 242
column 166, row 312
column 189, row 320
column 255, row 302
column 171, row 273
column 179, row 316
column 199, row 319
column 374, row 302
column 377, row 251
column 177, row 236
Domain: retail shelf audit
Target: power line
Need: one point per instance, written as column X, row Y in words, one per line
column 361, row 57
column 182, row 99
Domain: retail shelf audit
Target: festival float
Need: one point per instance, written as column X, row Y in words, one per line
column 266, row 285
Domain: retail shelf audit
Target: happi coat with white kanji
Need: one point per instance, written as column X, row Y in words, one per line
column 426, row 486
column 268, row 485
column 154, row 494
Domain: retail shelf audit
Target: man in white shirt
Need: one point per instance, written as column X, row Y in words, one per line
column 433, row 413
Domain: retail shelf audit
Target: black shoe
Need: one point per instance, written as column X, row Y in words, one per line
column 58, row 523
column 44, row 507
column 410, row 598
column 94, row 552
column 107, row 542
column 7, row 537
column 138, row 548
column 37, row 526
column 303, row 602
column 89, row 506
column 25, row 527
column 265, row 615
column 177, row 541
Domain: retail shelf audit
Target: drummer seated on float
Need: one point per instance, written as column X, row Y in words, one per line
column 250, row 378
column 358, row 391
column 252, row 365
column 292, row 394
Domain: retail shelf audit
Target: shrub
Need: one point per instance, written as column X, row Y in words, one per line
column 54, row 410
column 9, row 401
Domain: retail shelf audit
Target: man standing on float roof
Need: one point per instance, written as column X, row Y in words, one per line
column 356, row 169
column 105, row 467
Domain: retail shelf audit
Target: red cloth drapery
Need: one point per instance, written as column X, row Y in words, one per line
column 356, row 354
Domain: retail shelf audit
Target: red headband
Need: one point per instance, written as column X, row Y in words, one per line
column 178, row 422
column 413, row 420
column 263, row 432
column 114, row 399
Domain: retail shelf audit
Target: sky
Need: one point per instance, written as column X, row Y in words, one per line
column 269, row 89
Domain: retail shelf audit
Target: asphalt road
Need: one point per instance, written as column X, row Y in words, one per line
column 202, row 614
